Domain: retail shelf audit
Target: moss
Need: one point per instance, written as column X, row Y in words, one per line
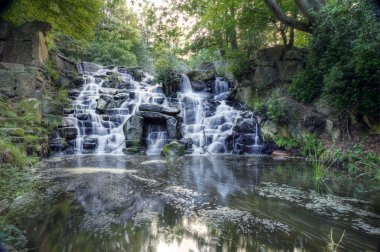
column 131, row 150
column 174, row 149
column 133, row 143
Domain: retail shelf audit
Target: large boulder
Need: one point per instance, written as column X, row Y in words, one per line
column 202, row 75
column 172, row 126
column 173, row 149
column 133, row 128
column 158, row 108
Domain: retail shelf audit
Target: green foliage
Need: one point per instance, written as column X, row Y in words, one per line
column 311, row 147
column 11, row 154
column 77, row 18
column 362, row 162
column 10, row 234
column 50, row 68
column 276, row 109
column 288, row 143
column 343, row 64
column 259, row 107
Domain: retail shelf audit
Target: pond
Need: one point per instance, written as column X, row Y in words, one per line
column 200, row 203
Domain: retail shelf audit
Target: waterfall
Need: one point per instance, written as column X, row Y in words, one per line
column 206, row 125
column 110, row 96
column 157, row 137
column 100, row 127
column 221, row 86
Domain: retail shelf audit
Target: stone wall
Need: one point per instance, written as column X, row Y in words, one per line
column 25, row 44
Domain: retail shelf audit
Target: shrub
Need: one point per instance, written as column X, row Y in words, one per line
column 343, row 63
column 276, row 109
column 11, row 154
column 285, row 142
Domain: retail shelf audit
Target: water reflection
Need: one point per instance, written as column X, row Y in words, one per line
column 199, row 203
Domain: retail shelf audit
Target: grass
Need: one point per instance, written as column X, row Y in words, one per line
column 332, row 245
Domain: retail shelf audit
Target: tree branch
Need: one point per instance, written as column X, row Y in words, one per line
column 279, row 15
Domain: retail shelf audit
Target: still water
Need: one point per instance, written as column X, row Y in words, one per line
column 200, row 203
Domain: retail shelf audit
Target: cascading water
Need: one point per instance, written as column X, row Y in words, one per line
column 207, row 133
column 110, row 97
column 157, row 137
column 102, row 109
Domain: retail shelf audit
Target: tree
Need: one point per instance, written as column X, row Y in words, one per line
column 77, row 18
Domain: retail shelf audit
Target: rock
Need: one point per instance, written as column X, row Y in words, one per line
column 53, row 107
column 65, row 65
column 79, row 81
column 198, row 85
column 68, row 122
column 89, row 67
column 171, row 126
column 90, row 143
column 269, row 54
column 7, row 84
column 160, row 109
column 74, row 93
column 201, row 75
column 121, row 96
column 295, row 53
column 173, row 149
column 288, row 69
column 57, row 144
column 265, row 77
column 133, row 128
column 313, row 122
column 207, row 66
column 103, row 102
column 245, row 125
column 12, row 67
column 83, row 117
column 333, row 131
column 269, row 128
column 68, row 132
column 152, row 115
column 136, row 72
column 25, row 44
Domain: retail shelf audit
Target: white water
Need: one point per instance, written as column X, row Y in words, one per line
column 207, row 117
column 208, row 134
column 107, row 128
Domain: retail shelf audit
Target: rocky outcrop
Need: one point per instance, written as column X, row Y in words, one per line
column 277, row 65
column 25, row 44
column 68, row 72
column 22, row 81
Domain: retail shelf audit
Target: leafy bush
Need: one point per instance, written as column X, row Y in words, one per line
column 11, row 154
column 276, row 109
column 363, row 162
column 343, row 64
column 285, row 142
column 259, row 107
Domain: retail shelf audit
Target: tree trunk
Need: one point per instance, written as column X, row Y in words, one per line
column 288, row 21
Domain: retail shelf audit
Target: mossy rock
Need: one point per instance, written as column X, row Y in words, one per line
column 174, row 149
column 131, row 150
column 133, row 143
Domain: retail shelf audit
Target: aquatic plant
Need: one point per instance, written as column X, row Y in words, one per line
column 333, row 246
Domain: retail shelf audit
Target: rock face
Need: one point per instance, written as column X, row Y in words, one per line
column 30, row 83
column 133, row 131
column 277, row 65
column 25, row 44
